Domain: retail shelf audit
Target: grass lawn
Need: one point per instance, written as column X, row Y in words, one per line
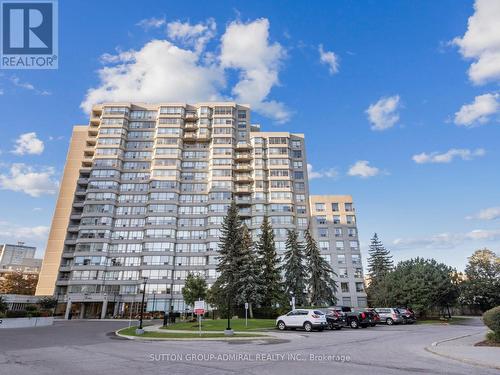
column 175, row 335
column 221, row 324
column 453, row 320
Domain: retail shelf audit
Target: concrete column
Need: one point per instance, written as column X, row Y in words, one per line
column 104, row 308
column 116, row 309
column 68, row 309
column 82, row 310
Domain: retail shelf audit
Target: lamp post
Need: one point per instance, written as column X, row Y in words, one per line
column 228, row 331
column 140, row 331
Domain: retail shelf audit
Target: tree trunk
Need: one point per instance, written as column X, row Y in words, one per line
column 250, row 310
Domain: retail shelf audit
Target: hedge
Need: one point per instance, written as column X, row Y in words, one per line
column 492, row 320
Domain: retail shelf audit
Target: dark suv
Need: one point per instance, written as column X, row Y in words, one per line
column 407, row 314
column 355, row 318
column 335, row 319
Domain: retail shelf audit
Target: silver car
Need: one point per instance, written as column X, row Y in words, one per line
column 389, row 315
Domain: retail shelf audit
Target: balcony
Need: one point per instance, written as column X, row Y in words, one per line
column 190, row 127
column 245, row 212
column 243, row 167
column 243, row 178
column 191, row 116
column 243, row 146
column 244, row 189
column 243, row 156
column 189, row 137
column 241, row 201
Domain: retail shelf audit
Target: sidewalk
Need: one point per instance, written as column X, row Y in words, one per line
column 462, row 349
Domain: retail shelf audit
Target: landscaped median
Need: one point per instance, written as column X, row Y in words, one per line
column 221, row 325
column 210, row 330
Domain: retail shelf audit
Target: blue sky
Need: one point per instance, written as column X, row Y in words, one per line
column 399, row 102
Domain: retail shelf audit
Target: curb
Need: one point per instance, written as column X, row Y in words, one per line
column 467, row 361
column 193, row 339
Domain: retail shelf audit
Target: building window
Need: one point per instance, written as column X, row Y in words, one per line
column 348, row 207
column 335, row 206
column 323, row 232
column 344, row 287
column 324, row 245
column 341, row 258
column 346, row 301
column 319, row 207
column 321, row 220
column 360, row 287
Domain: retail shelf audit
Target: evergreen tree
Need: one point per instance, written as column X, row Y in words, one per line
column 295, row 269
column 249, row 283
column 322, row 286
column 379, row 261
column 230, row 258
column 268, row 262
column 380, row 265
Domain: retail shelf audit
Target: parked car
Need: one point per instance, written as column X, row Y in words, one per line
column 354, row 318
column 375, row 317
column 407, row 314
column 308, row 319
column 389, row 315
column 335, row 319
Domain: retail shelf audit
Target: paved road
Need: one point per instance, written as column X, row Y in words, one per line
column 88, row 347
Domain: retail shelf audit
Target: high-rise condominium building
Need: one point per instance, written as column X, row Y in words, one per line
column 333, row 222
column 143, row 195
column 18, row 258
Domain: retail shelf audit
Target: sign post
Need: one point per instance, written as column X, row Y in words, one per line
column 199, row 309
column 246, row 314
column 293, row 302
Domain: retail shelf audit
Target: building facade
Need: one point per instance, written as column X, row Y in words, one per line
column 334, row 225
column 144, row 192
column 18, row 258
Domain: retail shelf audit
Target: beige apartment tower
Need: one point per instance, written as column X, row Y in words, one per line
column 144, row 192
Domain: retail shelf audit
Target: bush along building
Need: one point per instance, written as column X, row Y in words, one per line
column 143, row 195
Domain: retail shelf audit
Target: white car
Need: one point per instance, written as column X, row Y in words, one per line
column 302, row 318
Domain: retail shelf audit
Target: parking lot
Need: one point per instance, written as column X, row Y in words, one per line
column 90, row 347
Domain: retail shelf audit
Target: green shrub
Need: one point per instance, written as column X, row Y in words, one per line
column 492, row 320
column 16, row 314
column 31, row 308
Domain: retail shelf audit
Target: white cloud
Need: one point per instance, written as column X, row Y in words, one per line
column 481, row 42
column 25, row 85
column 152, row 23
column 28, row 86
column 27, row 179
column 12, row 233
column 162, row 71
column 246, row 48
column 28, row 143
column 328, row 173
column 490, row 213
column 448, row 156
column 384, row 113
column 158, row 72
column 479, row 111
column 446, row 240
column 196, row 36
column 362, row 169
column 329, row 58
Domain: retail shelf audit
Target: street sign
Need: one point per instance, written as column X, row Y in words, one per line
column 199, row 307
column 246, row 305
